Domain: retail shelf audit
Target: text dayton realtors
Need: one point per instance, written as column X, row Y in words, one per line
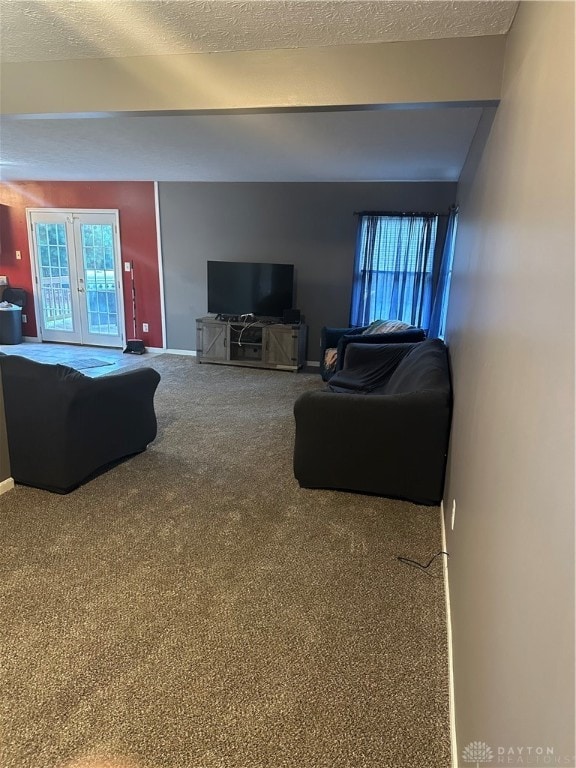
column 531, row 756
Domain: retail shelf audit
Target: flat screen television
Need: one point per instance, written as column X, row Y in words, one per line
column 243, row 288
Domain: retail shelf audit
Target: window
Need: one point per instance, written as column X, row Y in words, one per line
column 394, row 268
column 440, row 308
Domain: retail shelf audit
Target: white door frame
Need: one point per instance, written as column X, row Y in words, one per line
column 34, row 261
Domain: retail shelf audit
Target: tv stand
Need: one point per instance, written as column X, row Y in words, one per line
column 251, row 343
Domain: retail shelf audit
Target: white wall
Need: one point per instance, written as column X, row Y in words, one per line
column 511, row 470
column 419, row 71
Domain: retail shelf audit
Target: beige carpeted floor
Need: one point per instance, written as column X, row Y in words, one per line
column 194, row 608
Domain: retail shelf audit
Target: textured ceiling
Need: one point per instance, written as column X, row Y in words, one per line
column 397, row 145
column 401, row 145
column 71, row 29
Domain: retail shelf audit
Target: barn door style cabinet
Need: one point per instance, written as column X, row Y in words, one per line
column 255, row 344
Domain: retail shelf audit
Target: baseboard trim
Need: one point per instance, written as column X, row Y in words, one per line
column 313, row 363
column 188, row 352
column 33, row 339
column 451, row 704
column 6, row 485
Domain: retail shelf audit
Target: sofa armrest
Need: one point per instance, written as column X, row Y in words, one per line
column 329, row 337
column 107, row 419
column 136, row 383
column 394, row 445
column 118, row 409
column 329, row 340
column 385, row 417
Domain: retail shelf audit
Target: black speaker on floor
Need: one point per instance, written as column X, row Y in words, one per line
column 291, row 316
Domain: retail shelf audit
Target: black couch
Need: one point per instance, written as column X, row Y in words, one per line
column 382, row 424
column 339, row 338
column 64, row 427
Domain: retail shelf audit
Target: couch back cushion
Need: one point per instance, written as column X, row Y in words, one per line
column 23, row 381
column 20, row 368
column 386, row 326
column 425, row 367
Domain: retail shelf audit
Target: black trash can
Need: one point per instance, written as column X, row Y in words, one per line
column 11, row 325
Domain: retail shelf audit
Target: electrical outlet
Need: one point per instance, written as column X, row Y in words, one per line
column 24, row 319
column 145, row 327
column 126, row 266
column 453, row 512
column 18, row 255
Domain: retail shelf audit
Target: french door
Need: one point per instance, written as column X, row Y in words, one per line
column 77, row 286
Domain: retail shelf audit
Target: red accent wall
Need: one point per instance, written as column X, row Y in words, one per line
column 135, row 202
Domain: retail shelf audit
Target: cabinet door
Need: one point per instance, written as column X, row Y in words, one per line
column 281, row 346
column 212, row 341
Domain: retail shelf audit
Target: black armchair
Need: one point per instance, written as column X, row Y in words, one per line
column 382, row 424
column 339, row 338
column 64, row 427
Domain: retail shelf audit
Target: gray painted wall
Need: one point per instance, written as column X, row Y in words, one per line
column 309, row 225
column 511, row 471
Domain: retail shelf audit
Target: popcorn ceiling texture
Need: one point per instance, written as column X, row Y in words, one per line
column 59, row 29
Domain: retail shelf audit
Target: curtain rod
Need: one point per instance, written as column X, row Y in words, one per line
column 398, row 213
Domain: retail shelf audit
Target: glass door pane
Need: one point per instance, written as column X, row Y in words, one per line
column 56, row 278
column 100, row 278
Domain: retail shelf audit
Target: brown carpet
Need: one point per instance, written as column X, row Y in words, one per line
column 194, row 608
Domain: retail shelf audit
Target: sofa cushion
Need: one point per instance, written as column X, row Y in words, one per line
column 368, row 368
column 423, row 368
column 32, row 370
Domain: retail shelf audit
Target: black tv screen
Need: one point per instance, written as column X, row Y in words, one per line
column 243, row 288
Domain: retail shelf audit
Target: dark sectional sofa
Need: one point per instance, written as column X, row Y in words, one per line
column 381, row 425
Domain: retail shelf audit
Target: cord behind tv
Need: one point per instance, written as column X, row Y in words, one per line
column 231, row 318
column 289, row 317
